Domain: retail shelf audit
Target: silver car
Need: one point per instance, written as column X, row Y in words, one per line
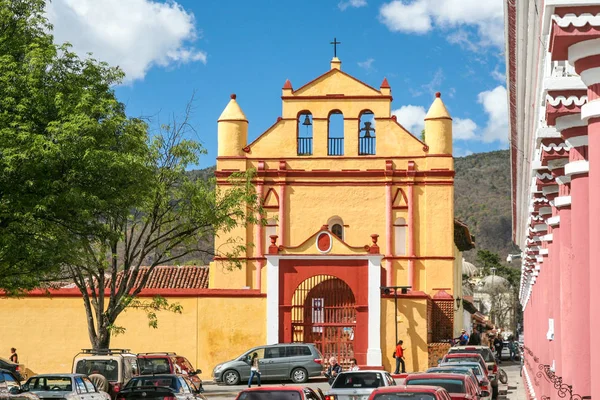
column 295, row 361
column 64, row 386
column 358, row 385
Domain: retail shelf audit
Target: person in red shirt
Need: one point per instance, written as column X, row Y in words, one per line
column 399, row 355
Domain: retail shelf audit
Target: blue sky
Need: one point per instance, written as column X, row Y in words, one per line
column 170, row 50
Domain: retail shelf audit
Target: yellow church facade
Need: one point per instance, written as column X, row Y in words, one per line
column 360, row 218
column 350, row 212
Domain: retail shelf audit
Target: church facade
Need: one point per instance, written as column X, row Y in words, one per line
column 358, row 211
column 360, row 246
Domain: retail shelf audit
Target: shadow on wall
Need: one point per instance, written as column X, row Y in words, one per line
column 414, row 315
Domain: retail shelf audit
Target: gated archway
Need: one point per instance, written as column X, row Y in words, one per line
column 324, row 313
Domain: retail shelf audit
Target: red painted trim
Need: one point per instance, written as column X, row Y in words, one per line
column 385, row 84
column 346, row 183
column 411, row 237
column 336, row 97
column 330, row 157
column 419, row 258
column 282, row 215
column 287, row 84
column 344, row 173
column 400, row 192
column 324, row 228
column 271, row 190
column 233, row 120
column 400, row 208
column 331, row 72
column 413, row 294
column 586, row 63
column 70, row 292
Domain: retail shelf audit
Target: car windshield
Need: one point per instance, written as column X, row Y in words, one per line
column 487, row 354
column 44, row 383
column 149, row 366
column 406, row 395
column 358, row 380
column 451, row 385
column 148, row 381
column 457, row 360
column 457, row 369
column 107, row 368
column 270, row 395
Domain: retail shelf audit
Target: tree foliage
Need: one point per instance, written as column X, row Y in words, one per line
column 86, row 193
column 68, row 152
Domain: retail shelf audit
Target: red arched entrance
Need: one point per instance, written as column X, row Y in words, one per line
column 324, row 313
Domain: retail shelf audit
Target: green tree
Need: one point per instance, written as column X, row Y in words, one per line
column 176, row 215
column 68, row 152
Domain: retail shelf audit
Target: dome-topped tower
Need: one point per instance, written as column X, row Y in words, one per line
column 232, row 130
column 438, row 127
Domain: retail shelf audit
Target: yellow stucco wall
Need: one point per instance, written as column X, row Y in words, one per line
column 48, row 332
column 412, row 329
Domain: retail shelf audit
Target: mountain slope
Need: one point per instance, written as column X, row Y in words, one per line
column 482, row 200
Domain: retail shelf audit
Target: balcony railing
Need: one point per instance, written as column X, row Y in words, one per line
column 335, row 147
column 305, row 146
column 366, row 146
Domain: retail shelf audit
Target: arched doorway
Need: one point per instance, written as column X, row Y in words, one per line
column 324, row 313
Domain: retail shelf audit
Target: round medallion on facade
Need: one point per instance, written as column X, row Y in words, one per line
column 324, row 242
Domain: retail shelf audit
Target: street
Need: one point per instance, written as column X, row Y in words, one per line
column 513, row 391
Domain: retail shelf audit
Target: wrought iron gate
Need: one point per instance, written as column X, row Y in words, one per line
column 324, row 313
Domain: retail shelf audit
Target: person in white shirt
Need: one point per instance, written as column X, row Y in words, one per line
column 353, row 365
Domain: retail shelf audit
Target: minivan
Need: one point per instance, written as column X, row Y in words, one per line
column 295, row 361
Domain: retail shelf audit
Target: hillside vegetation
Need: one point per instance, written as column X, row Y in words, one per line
column 482, row 200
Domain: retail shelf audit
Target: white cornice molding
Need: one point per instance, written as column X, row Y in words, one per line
column 553, row 221
column 550, row 189
column 577, row 20
column 545, row 210
column 562, row 201
column 577, row 141
column 544, row 251
column 583, row 49
column 591, row 109
column 566, row 101
column 563, row 180
column 577, row 167
column 569, row 121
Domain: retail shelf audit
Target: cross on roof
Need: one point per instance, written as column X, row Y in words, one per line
column 335, row 43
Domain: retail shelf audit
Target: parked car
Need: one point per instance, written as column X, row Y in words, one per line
column 473, row 370
column 280, row 393
column 12, row 367
column 458, row 386
column 64, row 386
column 463, row 357
column 297, row 361
column 168, row 363
column 410, row 393
column 358, row 384
column 11, row 389
column 488, row 357
column 109, row 369
column 160, row 387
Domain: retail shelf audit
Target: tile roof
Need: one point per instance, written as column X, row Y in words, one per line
column 172, row 277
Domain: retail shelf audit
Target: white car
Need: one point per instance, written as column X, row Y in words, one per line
column 64, row 387
column 358, row 385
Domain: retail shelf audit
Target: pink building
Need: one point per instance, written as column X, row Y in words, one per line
column 553, row 77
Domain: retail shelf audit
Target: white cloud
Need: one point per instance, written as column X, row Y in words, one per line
column 495, row 105
column 497, row 75
column 367, row 64
column 435, row 83
column 412, row 118
column 342, row 5
column 460, row 152
column 463, row 129
column 133, row 34
column 421, row 16
column 410, row 18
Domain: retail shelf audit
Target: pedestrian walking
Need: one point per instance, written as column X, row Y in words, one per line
column 333, row 370
column 475, row 339
column 254, row 370
column 399, row 356
column 14, row 357
column 464, row 338
column 512, row 347
column 498, row 345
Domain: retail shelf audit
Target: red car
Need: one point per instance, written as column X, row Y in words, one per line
column 410, row 392
column 168, row 363
column 462, row 357
column 460, row 387
column 279, row 393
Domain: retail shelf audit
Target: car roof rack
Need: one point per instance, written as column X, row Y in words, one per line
column 165, row 353
column 104, row 351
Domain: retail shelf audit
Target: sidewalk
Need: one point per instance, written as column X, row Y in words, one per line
column 516, row 387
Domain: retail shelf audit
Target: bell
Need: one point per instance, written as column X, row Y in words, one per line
column 306, row 121
column 368, row 129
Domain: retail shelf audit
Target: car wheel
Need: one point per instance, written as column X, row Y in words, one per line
column 299, row 375
column 231, row 377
